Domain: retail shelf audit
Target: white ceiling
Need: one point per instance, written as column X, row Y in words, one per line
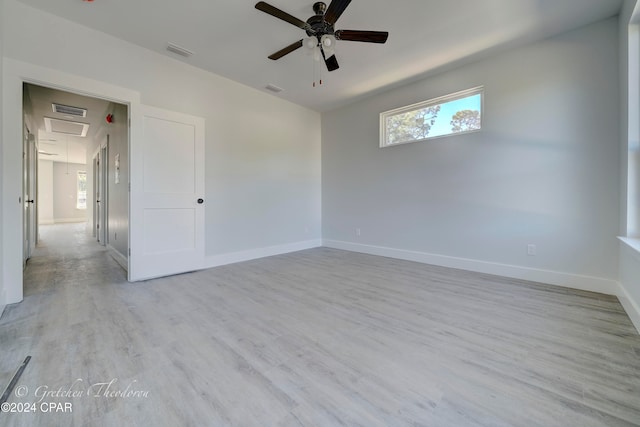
column 61, row 147
column 233, row 39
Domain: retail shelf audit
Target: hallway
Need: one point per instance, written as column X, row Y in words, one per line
column 70, row 283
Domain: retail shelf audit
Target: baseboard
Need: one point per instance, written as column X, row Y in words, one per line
column 234, row 257
column 568, row 280
column 118, row 257
column 630, row 306
column 630, row 278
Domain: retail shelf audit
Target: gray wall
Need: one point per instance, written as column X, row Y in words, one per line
column 629, row 258
column 2, row 278
column 544, row 170
column 262, row 154
column 65, row 192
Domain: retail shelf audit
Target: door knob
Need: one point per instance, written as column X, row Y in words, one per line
column 200, row 201
column 30, row 201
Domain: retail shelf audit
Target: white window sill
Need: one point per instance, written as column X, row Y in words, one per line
column 633, row 243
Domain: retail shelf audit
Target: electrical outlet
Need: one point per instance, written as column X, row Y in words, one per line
column 358, row 232
column 531, row 250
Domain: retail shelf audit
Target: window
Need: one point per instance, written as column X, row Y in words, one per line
column 81, row 198
column 457, row 113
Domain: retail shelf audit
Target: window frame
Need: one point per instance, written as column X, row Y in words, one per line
column 478, row 90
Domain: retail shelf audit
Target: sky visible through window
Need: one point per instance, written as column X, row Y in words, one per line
column 455, row 113
column 442, row 124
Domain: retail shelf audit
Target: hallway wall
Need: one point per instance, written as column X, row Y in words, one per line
column 118, row 193
column 65, row 180
column 57, row 192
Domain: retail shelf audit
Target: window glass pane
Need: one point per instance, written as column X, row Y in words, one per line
column 456, row 113
column 81, row 199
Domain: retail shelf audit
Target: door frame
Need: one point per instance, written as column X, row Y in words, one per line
column 100, row 164
column 16, row 73
column 95, row 220
column 104, row 195
column 29, row 194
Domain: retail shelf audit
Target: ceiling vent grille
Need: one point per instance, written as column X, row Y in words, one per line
column 179, row 50
column 66, row 127
column 273, row 88
column 69, row 110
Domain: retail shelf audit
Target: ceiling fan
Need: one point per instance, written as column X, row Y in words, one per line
column 321, row 32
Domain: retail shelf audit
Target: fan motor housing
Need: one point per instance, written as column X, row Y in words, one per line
column 319, row 8
column 318, row 25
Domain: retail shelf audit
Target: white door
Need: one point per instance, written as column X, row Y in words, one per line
column 167, row 194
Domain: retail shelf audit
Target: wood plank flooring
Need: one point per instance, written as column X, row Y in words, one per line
column 315, row 338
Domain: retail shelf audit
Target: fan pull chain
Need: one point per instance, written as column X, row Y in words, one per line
column 313, row 63
column 317, row 72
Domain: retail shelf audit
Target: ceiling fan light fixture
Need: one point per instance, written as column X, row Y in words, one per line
column 310, row 43
column 320, row 29
column 328, row 43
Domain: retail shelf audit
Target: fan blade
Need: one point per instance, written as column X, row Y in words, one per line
column 287, row 50
column 275, row 12
column 331, row 62
column 334, row 10
column 362, row 36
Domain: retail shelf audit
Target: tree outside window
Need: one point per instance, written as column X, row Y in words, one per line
column 456, row 113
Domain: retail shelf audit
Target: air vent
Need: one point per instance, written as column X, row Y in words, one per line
column 66, row 127
column 179, row 50
column 273, row 88
column 69, row 110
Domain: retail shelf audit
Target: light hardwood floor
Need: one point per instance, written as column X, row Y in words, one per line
column 315, row 338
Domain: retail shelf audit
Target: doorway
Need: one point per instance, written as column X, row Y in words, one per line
column 137, row 241
column 69, row 136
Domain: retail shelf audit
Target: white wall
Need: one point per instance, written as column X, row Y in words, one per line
column 544, row 170
column 629, row 263
column 3, row 282
column 45, row 192
column 262, row 153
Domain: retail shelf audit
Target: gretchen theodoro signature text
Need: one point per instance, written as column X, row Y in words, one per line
column 112, row 389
